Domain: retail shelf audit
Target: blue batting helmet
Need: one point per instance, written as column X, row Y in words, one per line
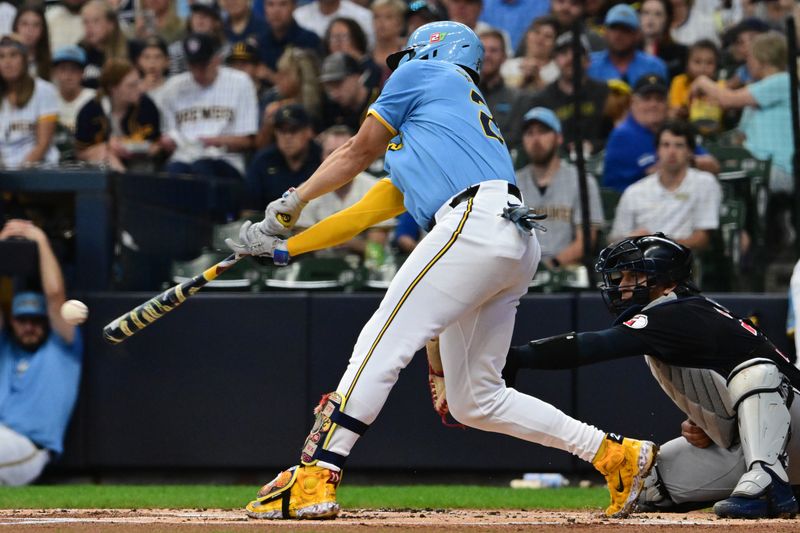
column 448, row 41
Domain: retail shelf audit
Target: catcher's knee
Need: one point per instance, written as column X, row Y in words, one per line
column 757, row 376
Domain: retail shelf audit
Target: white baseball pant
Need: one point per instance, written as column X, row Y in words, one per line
column 463, row 283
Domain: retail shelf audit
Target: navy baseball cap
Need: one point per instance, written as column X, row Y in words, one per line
column 650, row 83
column 544, row 116
column 565, row 41
column 337, row 67
column 209, row 7
column 70, row 54
column 622, row 15
column 200, row 48
column 28, row 304
column 292, row 116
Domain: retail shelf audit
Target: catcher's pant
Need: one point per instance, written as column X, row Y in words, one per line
column 462, row 282
column 693, row 474
column 20, row 460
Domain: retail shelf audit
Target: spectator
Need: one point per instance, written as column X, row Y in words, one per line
column 103, row 39
column 569, row 12
column 690, row 24
column 559, row 97
column 282, row 32
column 68, row 65
column 766, row 102
column 345, row 35
column 31, row 27
column 210, row 114
column 677, row 200
column 407, row 234
column 240, row 23
column 421, row 12
column 348, row 97
column 344, row 197
column 158, row 18
column 28, row 109
column 8, row 11
column 513, row 16
column 631, row 150
column 203, row 18
column 388, row 20
column 656, row 18
column 552, row 187
column 502, row 100
column 243, row 56
column 618, row 103
column 40, row 367
column 317, row 15
column 703, row 112
column 296, row 82
column 743, row 35
column 534, row 68
column 65, row 23
column 623, row 60
column 153, row 63
column 120, row 126
column 467, row 12
column 293, row 158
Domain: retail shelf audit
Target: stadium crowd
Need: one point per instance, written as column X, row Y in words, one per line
column 257, row 92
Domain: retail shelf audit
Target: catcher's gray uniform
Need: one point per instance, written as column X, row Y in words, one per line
column 703, row 475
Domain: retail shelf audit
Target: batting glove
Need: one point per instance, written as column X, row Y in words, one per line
column 255, row 242
column 282, row 214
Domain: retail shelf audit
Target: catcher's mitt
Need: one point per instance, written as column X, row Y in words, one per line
column 436, row 383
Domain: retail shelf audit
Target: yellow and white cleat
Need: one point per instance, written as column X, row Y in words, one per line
column 625, row 463
column 305, row 492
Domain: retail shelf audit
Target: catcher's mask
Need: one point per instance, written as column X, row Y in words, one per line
column 653, row 259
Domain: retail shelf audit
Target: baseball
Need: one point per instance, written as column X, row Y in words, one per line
column 74, row 312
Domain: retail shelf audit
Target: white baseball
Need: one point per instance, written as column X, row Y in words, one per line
column 74, row 312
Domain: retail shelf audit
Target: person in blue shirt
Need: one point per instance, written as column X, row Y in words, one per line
column 622, row 60
column 631, row 147
column 40, row 368
column 240, row 23
column 450, row 169
column 282, row 31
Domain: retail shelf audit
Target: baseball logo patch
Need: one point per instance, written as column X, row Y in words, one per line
column 637, row 322
column 437, row 37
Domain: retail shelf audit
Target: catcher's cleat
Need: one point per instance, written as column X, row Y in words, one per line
column 307, row 492
column 773, row 498
column 625, row 463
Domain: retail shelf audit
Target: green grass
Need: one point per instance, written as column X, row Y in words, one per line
column 236, row 496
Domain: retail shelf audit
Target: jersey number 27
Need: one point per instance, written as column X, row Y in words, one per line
column 490, row 127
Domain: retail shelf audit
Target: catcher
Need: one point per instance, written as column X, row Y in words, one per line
column 725, row 374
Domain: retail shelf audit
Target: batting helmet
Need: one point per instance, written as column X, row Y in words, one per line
column 448, row 41
column 661, row 260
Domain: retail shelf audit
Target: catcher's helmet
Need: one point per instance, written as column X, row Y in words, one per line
column 660, row 259
column 448, row 41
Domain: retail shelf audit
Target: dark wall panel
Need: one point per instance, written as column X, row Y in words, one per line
column 218, row 383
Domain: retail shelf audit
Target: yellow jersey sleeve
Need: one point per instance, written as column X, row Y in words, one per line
column 382, row 202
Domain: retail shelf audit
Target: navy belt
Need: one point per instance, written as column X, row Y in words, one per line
column 470, row 192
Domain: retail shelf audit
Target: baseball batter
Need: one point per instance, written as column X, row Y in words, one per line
column 729, row 379
column 450, row 169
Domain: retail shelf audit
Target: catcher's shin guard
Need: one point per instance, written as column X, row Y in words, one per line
column 625, row 463
column 307, row 492
column 761, row 396
column 328, row 415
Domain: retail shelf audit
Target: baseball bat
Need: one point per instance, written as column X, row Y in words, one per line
column 137, row 319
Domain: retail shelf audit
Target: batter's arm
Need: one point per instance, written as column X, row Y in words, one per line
column 382, row 202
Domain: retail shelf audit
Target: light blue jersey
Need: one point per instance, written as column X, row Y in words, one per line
column 38, row 391
column 446, row 137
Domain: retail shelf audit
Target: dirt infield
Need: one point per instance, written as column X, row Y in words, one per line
column 436, row 520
